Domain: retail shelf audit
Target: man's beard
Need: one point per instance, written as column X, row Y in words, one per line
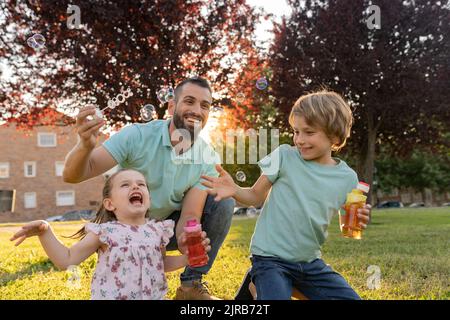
column 194, row 131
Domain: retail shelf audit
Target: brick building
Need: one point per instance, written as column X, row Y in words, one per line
column 31, row 183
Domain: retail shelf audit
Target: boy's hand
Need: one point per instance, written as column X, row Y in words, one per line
column 364, row 215
column 222, row 187
column 183, row 247
column 34, row 228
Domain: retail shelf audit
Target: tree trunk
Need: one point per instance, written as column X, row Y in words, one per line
column 366, row 161
column 369, row 163
column 367, row 158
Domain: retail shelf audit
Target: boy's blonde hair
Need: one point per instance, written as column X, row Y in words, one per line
column 327, row 110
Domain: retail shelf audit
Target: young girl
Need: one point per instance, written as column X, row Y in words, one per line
column 307, row 187
column 131, row 248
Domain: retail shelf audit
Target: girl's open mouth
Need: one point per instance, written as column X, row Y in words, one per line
column 136, row 199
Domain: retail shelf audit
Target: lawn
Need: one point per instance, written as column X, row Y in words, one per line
column 410, row 246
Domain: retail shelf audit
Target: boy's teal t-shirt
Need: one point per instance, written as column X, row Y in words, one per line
column 147, row 148
column 304, row 197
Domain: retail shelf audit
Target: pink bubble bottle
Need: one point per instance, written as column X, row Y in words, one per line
column 196, row 252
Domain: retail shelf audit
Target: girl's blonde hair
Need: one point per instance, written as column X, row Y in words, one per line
column 327, row 110
column 103, row 215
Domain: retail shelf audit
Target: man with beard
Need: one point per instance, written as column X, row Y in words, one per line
column 171, row 156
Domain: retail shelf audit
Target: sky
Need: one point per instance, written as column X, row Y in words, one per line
column 278, row 8
column 263, row 35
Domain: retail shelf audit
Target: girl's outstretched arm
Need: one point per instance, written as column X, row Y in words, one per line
column 224, row 187
column 58, row 253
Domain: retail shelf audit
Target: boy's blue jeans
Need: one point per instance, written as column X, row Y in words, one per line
column 274, row 279
column 216, row 222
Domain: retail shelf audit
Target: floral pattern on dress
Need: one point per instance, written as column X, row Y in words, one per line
column 131, row 267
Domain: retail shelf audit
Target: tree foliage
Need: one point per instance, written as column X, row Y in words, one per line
column 135, row 44
column 395, row 78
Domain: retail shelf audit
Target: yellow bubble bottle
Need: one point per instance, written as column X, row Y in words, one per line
column 348, row 220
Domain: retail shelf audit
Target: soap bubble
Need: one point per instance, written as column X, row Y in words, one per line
column 119, row 96
column 127, row 93
column 240, row 176
column 261, row 83
column 111, row 104
column 148, row 113
column 240, row 97
column 115, row 103
column 73, row 275
column 251, row 212
column 170, row 94
column 36, row 41
column 161, row 95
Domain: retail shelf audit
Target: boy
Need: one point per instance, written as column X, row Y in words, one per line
column 307, row 187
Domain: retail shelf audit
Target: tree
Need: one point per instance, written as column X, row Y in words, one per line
column 419, row 171
column 141, row 45
column 395, row 78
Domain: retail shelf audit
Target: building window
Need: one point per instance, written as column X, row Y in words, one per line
column 65, row 198
column 46, row 140
column 29, row 200
column 59, row 167
column 4, row 170
column 29, row 169
column 7, row 200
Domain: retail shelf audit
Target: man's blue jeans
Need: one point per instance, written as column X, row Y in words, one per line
column 216, row 222
column 274, row 279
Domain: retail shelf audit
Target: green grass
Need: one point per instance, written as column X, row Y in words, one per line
column 411, row 247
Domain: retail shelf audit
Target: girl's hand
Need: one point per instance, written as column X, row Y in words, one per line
column 222, row 187
column 183, row 247
column 34, row 228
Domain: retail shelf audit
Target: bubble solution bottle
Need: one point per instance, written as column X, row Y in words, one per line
column 196, row 252
column 349, row 220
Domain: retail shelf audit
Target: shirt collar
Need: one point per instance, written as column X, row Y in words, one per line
column 165, row 134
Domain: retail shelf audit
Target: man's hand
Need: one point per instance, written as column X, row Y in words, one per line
column 183, row 247
column 88, row 130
